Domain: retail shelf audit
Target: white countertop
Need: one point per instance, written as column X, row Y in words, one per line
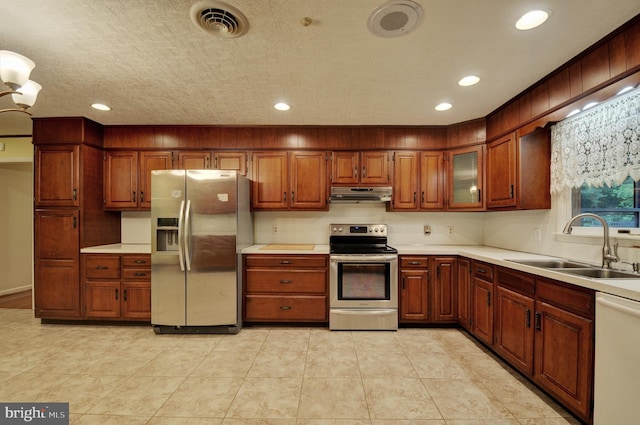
column 628, row 288
column 118, row 248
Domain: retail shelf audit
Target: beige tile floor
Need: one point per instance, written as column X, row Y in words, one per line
column 264, row 376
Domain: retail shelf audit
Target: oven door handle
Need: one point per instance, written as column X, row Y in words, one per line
column 363, row 258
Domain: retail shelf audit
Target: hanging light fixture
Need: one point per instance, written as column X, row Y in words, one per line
column 14, row 73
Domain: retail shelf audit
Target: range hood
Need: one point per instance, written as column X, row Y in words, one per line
column 357, row 195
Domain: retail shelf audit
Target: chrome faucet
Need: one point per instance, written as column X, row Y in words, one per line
column 607, row 256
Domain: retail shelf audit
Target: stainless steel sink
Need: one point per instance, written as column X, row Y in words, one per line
column 602, row 273
column 552, row 264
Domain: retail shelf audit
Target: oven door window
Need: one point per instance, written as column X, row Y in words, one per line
column 364, row 281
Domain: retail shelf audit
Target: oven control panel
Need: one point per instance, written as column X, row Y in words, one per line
column 358, row 229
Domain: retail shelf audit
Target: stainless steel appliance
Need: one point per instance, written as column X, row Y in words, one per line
column 363, row 278
column 358, row 195
column 200, row 221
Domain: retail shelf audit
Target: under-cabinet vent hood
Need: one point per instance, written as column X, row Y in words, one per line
column 357, row 195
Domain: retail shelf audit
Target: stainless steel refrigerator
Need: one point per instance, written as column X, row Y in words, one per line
column 200, row 221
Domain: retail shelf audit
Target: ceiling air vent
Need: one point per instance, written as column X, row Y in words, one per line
column 219, row 19
column 394, row 18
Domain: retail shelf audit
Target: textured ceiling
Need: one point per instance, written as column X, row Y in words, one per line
column 148, row 61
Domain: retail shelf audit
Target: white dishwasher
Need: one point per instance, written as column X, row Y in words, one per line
column 617, row 361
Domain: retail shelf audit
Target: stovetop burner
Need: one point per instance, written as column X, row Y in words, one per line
column 359, row 239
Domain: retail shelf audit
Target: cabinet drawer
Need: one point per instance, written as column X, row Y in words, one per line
column 576, row 300
column 407, row 262
column 307, row 308
column 288, row 261
column 483, row 271
column 519, row 282
column 102, row 267
column 137, row 261
column 286, row 281
column 136, row 274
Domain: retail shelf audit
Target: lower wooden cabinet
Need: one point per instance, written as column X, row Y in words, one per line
column 545, row 329
column 464, row 292
column 482, row 301
column 285, row 288
column 427, row 289
column 117, row 287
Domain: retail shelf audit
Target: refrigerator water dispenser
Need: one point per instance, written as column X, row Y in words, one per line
column 167, row 236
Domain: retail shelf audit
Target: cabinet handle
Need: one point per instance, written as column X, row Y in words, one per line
column 140, row 274
column 364, row 171
column 75, row 222
column 479, row 270
column 511, row 191
column 293, row 195
column 206, row 162
column 285, row 196
column 527, row 314
column 415, row 263
column 355, row 172
column 285, row 307
column 415, row 197
column 116, row 294
column 140, row 261
column 75, row 194
column 286, row 281
column 479, row 195
column 141, row 196
column 423, row 197
column 488, row 298
column 134, row 196
column 538, row 322
column 102, row 268
column 286, row 262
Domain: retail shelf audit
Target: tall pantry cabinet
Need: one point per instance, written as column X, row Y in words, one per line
column 68, row 211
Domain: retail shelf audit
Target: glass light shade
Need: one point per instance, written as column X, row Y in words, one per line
column 15, row 69
column 532, row 19
column 29, row 94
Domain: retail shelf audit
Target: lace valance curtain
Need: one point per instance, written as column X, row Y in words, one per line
column 600, row 146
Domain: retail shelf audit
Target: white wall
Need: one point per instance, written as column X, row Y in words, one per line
column 404, row 228
column 16, row 229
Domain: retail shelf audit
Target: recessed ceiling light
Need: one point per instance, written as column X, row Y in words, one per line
column 468, row 81
column 100, row 107
column 624, row 90
column 282, row 106
column 444, row 106
column 589, row 105
column 572, row 113
column 532, row 19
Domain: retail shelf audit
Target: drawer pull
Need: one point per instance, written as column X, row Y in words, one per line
column 481, row 270
column 140, row 261
column 286, row 281
column 285, row 307
column 415, row 263
column 102, row 268
column 286, row 262
column 140, row 274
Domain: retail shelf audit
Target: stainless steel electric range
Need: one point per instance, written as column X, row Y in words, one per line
column 363, row 278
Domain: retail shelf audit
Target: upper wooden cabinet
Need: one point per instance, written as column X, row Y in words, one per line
column 57, row 176
column 465, row 182
column 204, row 160
column 367, row 168
column 418, row 181
column 296, row 180
column 127, row 178
column 518, row 171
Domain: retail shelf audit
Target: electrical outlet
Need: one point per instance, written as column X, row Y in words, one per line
column 450, row 230
column 427, row 229
column 275, row 229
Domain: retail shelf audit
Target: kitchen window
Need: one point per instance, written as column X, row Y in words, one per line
column 619, row 205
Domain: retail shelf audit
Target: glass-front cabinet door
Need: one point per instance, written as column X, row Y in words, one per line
column 466, row 190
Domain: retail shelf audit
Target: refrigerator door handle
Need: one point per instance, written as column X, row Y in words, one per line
column 180, row 231
column 187, row 236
